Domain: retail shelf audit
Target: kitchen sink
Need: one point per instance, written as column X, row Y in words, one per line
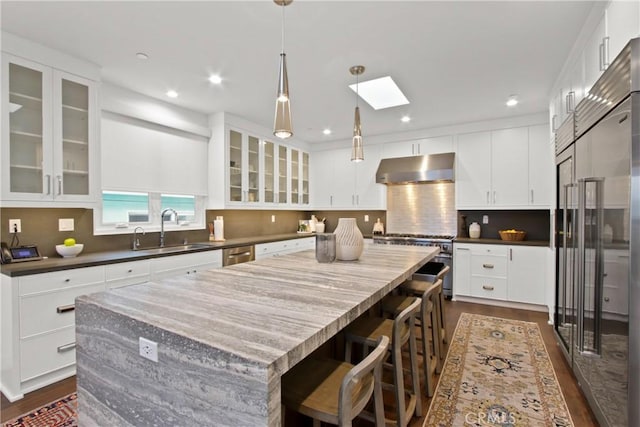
column 174, row 248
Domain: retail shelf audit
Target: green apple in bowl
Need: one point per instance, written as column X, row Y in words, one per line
column 70, row 242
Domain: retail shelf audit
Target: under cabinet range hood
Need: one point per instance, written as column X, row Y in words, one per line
column 417, row 169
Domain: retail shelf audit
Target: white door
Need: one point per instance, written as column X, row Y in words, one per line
column 473, row 172
column 510, row 167
column 540, row 167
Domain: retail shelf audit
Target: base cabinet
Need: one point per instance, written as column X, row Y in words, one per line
column 267, row 250
column 511, row 273
column 187, row 264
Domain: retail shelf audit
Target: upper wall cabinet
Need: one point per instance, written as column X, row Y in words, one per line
column 504, row 169
column 442, row 144
column 49, row 143
column 256, row 171
column 339, row 183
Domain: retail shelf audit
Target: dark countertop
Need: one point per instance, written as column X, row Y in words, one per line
column 502, row 242
column 112, row 257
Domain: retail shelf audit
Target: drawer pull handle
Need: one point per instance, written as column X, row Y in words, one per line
column 66, row 347
column 67, row 280
column 66, row 308
column 130, row 270
column 487, row 265
column 487, row 287
column 606, row 299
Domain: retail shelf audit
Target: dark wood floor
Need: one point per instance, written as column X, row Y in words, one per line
column 580, row 412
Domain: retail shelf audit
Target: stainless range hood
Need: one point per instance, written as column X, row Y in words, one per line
column 417, row 169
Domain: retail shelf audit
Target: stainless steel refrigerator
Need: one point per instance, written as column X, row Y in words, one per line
column 597, row 316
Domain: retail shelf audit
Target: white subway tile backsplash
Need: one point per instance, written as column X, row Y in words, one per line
column 422, row 209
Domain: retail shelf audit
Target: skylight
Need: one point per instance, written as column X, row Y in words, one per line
column 381, row 93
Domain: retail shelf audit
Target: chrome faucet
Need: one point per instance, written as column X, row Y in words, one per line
column 136, row 241
column 162, row 224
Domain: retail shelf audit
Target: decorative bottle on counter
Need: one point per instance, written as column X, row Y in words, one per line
column 463, row 227
column 474, row 230
column 349, row 240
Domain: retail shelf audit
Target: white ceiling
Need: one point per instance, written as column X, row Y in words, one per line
column 456, row 61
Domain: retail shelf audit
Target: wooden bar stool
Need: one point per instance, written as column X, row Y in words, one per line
column 367, row 330
column 336, row 392
column 417, row 288
column 428, row 318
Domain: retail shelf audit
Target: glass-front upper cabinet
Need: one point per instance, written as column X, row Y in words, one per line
column 244, row 167
column 48, row 124
column 282, row 175
column 269, row 172
column 305, row 179
column 295, row 181
column 235, row 166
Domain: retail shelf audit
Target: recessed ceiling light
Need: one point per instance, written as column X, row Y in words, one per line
column 512, row 101
column 142, row 55
column 172, row 94
column 215, row 79
column 327, row 131
column 381, row 93
column 405, row 119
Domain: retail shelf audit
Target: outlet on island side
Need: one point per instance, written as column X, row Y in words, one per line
column 148, row 349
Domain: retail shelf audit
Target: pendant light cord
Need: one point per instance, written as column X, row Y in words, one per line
column 282, row 27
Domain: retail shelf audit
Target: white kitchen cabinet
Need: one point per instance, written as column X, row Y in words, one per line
column 510, row 167
column 623, row 24
column 49, row 143
column 185, row 264
column 244, row 168
column 541, row 167
column 462, row 269
column 441, row 144
column 593, row 54
column 38, row 326
column 527, row 273
column 473, row 170
column 504, row 169
column 339, row 183
column 509, row 273
column 299, row 185
column 127, row 273
column 267, row 250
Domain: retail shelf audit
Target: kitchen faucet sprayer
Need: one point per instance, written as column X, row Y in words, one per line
column 162, row 223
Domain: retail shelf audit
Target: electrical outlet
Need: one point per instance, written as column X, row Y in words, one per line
column 366, row 218
column 273, row 218
column 485, row 219
column 15, row 226
column 149, row 349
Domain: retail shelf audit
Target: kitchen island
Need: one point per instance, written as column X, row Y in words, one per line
column 224, row 336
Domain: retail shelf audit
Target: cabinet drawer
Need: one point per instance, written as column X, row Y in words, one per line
column 489, row 265
column 60, row 280
column 51, row 310
column 127, row 270
column 46, row 353
column 615, row 301
column 489, row 287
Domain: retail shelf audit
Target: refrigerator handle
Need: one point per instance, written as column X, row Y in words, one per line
column 599, row 267
column 582, row 190
column 566, row 235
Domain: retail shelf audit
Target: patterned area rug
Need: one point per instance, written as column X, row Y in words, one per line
column 497, row 373
column 61, row 413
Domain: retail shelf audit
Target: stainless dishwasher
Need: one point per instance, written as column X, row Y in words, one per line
column 237, row 255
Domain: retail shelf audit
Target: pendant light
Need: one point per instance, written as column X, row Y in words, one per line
column 357, row 149
column 282, row 122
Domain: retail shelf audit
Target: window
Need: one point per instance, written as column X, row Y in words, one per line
column 120, row 207
column 184, row 205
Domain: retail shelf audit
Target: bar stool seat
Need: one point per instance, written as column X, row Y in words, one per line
column 394, row 304
column 366, row 330
column 336, row 392
column 417, row 288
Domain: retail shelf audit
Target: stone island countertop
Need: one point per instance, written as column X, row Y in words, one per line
column 224, row 336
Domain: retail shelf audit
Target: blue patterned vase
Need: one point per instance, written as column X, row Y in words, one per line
column 349, row 240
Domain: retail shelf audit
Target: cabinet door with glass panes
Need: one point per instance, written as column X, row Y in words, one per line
column 299, row 177
column 244, row 168
column 48, row 126
column 270, row 168
column 283, row 174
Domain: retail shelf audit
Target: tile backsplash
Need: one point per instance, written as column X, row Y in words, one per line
column 422, row 208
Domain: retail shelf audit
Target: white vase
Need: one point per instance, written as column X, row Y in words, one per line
column 349, row 240
column 474, row 230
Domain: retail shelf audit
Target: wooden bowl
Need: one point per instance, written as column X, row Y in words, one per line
column 512, row 235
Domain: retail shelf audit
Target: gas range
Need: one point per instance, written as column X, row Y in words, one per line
column 444, row 242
